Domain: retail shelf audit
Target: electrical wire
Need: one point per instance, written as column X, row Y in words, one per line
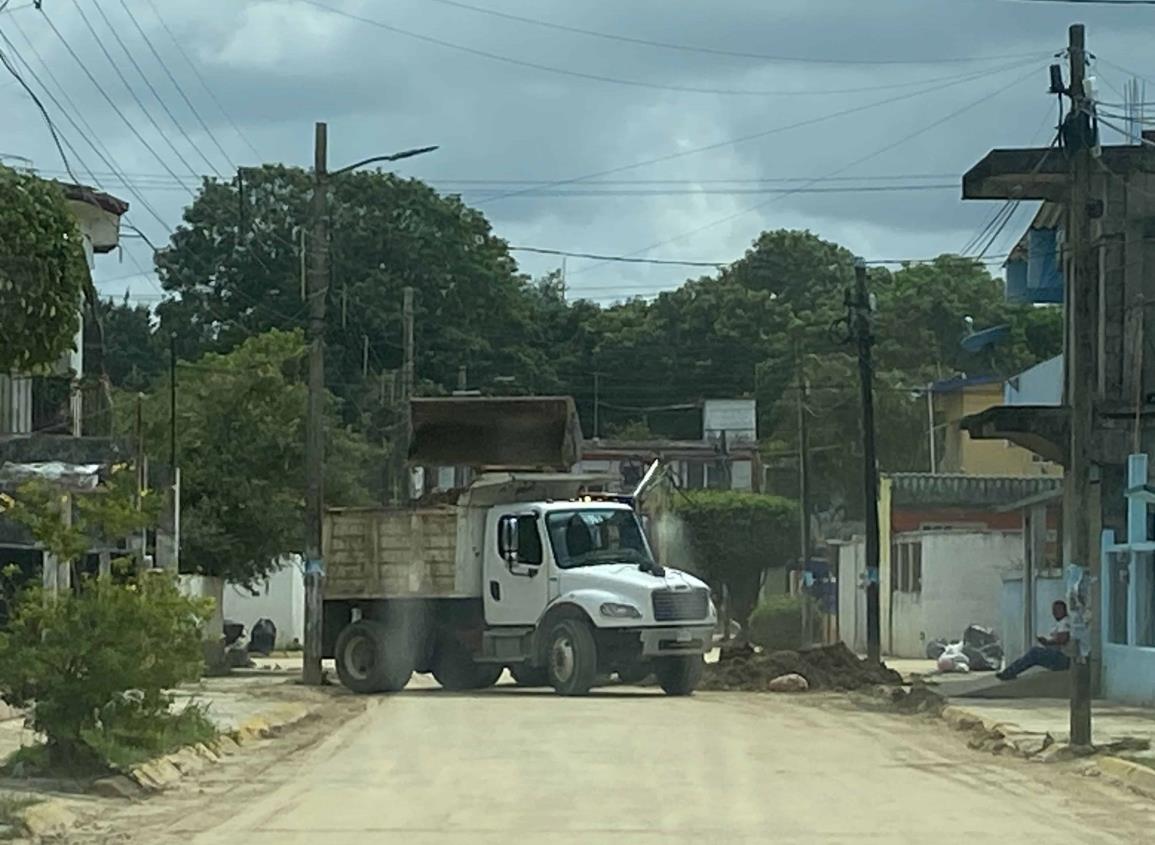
column 200, row 78
column 686, row 48
column 152, row 88
column 754, row 136
column 179, row 88
column 108, row 99
column 87, row 133
column 860, row 160
column 43, row 111
column 613, row 80
column 132, row 92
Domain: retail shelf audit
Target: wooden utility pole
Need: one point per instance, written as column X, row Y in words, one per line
column 803, row 492
column 1082, row 320
column 317, row 292
column 597, row 404
column 860, row 318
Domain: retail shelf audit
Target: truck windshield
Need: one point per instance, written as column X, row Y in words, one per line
column 588, row 537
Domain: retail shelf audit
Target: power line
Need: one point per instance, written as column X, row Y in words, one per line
column 131, row 91
column 152, row 88
column 861, row 160
column 43, row 111
column 741, row 139
column 87, row 133
column 179, row 88
column 107, row 98
column 621, row 258
column 200, row 78
column 613, row 80
column 666, row 45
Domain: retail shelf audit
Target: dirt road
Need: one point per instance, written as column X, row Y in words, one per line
column 630, row 766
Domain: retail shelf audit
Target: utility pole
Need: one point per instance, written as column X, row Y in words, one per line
column 1078, row 137
column 930, row 428
column 803, row 490
column 408, row 371
column 860, row 320
column 597, row 404
column 172, row 406
column 316, row 293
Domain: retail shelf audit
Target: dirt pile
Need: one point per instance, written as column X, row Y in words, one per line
column 832, row 667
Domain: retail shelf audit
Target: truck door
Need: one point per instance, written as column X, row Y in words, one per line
column 516, row 586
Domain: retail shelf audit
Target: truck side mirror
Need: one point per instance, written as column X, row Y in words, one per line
column 507, row 538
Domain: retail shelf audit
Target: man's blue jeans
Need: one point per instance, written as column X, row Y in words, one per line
column 1047, row 656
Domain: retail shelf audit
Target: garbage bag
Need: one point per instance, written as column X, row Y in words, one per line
column 263, row 638
column 976, row 636
column 935, row 648
column 954, row 659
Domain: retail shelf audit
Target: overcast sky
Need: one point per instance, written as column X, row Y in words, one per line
column 276, row 66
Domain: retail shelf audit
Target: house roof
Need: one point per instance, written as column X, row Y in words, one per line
column 961, row 382
column 103, row 201
column 923, row 489
column 594, row 449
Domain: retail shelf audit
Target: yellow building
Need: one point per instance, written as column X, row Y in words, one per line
column 957, row 453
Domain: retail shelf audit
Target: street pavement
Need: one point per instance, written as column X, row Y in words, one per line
column 629, row 765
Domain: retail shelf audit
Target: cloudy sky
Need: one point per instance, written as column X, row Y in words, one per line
column 570, row 124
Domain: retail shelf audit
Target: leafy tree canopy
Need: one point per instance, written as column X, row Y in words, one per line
column 43, row 272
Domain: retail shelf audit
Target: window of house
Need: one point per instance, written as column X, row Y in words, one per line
column 906, row 567
column 695, row 475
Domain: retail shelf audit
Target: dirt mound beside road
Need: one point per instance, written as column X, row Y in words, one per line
column 832, row 667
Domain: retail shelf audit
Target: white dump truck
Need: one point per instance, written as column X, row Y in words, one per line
column 525, row 570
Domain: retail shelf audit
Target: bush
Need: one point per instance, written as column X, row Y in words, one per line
column 93, row 668
column 776, row 623
column 736, row 537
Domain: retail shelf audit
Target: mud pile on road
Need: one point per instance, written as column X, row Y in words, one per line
column 832, row 667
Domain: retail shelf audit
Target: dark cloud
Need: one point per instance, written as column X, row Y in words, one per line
column 279, row 65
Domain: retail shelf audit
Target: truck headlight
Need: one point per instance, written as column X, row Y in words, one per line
column 620, row 611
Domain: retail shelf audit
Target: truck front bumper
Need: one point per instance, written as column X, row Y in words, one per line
column 663, row 642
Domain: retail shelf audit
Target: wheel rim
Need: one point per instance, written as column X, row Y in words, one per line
column 562, row 658
column 359, row 658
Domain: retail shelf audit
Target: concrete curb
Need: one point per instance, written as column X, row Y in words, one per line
column 1135, row 776
column 163, row 772
column 1004, row 737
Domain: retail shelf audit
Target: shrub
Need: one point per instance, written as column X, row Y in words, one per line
column 736, row 536
column 94, row 667
column 776, row 623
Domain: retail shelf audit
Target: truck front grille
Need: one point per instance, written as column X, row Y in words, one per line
column 681, row 605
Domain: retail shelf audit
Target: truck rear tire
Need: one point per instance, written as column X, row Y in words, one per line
column 525, row 675
column 680, row 675
column 572, row 657
column 455, row 669
column 365, row 661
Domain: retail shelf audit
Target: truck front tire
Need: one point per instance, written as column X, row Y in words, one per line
column 679, row 675
column 365, row 661
column 572, row 657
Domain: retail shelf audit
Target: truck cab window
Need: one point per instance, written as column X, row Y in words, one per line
column 529, row 549
column 589, row 537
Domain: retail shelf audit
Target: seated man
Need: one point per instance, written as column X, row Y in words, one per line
column 1049, row 651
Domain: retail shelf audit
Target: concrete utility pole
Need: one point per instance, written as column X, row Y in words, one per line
column 316, row 294
column 803, row 389
column 1082, row 317
column 860, row 319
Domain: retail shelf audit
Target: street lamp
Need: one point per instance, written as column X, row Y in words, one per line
column 316, row 291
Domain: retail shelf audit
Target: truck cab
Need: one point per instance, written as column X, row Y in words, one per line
column 525, row 571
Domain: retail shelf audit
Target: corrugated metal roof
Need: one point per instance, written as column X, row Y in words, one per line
column 911, row 489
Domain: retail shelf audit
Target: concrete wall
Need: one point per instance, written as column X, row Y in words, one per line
column 1042, row 384
column 981, row 457
column 1128, row 673
column 962, row 582
column 1048, row 588
column 281, row 598
column 851, row 574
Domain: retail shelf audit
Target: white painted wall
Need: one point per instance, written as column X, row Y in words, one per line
column 962, row 584
column 281, row 598
column 852, row 593
column 1042, row 384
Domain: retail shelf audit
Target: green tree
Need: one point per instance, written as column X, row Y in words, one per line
column 736, row 537
column 134, row 354
column 241, row 437
column 43, row 272
column 236, row 262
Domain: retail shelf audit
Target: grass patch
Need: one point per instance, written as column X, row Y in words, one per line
column 123, row 742
column 10, row 806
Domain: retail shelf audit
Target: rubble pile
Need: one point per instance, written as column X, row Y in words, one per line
column 831, row 667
